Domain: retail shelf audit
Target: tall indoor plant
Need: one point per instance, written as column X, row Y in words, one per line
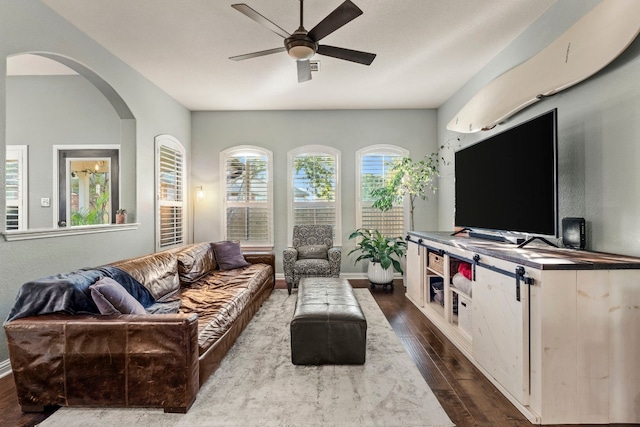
column 380, row 252
column 408, row 178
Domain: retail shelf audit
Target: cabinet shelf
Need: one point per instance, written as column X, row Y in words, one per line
column 459, row 292
column 433, row 272
column 440, row 295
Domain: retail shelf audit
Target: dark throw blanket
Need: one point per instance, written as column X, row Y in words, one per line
column 69, row 293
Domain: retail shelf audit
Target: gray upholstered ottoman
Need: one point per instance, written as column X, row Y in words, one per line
column 328, row 326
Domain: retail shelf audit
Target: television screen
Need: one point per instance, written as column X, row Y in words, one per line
column 508, row 182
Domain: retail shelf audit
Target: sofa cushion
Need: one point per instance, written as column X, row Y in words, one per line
column 111, row 298
column 220, row 297
column 313, row 252
column 165, row 307
column 157, row 272
column 195, row 261
column 229, row 255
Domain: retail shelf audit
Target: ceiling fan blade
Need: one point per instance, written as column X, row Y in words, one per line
column 343, row 14
column 248, row 11
column 257, row 54
column 358, row 56
column 304, row 71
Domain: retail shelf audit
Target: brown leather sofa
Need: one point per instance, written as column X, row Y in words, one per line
column 141, row 360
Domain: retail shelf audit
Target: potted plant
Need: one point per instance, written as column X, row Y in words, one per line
column 380, row 251
column 408, row 178
column 121, row 216
column 411, row 179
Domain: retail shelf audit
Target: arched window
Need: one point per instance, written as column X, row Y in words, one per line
column 171, row 195
column 314, row 188
column 248, row 195
column 373, row 166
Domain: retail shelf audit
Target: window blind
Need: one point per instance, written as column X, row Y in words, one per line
column 171, row 200
column 13, row 192
column 314, row 190
column 171, row 174
column 375, row 171
column 171, row 226
column 248, row 198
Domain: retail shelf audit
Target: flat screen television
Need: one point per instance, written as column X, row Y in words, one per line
column 508, row 182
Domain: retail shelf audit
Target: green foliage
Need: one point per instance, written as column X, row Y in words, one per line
column 408, row 178
column 97, row 212
column 319, row 173
column 377, row 248
column 369, row 183
column 84, row 216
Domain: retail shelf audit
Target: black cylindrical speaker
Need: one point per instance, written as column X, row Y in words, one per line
column 573, row 233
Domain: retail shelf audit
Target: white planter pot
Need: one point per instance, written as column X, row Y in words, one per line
column 377, row 274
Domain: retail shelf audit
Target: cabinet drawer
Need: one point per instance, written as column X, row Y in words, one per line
column 436, row 262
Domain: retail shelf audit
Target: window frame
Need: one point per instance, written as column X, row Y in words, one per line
column 19, row 153
column 174, row 144
column 311, row 150
column 378, row 149
column 61, row 155
column 258, row 151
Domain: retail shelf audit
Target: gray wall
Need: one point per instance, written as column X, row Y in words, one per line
column 282, row 131
column 598, row 132
column 43, row 111
column 29, row 26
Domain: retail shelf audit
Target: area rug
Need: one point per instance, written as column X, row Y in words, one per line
column 257, row 385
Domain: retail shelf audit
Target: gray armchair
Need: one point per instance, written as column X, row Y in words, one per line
column 312, row 254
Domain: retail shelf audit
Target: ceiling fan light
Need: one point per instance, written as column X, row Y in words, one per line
column 299, row 46
column 301, row 53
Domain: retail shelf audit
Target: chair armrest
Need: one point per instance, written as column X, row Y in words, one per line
column 335, row 257
column 90, row 360
column 290, row 253
column 289, row 258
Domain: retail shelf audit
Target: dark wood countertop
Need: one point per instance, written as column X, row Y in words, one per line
column 535, row 255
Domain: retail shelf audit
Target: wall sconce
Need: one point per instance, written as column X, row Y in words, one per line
column 199, row 192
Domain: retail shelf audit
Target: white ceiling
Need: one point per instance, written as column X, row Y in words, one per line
column 427, row 49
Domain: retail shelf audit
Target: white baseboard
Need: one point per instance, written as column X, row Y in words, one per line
column 5, row 368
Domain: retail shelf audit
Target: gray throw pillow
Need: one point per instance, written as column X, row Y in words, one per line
column 111, row 298
column 313, row 252
column 229, row 255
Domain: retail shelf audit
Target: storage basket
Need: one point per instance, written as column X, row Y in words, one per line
column 436, row 262
column 437, row 292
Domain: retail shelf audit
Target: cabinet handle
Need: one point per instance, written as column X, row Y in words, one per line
column 476, row 259
column 519, row 274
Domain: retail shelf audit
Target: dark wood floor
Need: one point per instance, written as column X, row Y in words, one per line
column 466, row 395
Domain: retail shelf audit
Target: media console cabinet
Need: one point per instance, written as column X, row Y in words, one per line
column 557, row 331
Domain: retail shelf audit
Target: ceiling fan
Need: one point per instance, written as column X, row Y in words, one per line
column 303, row 44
